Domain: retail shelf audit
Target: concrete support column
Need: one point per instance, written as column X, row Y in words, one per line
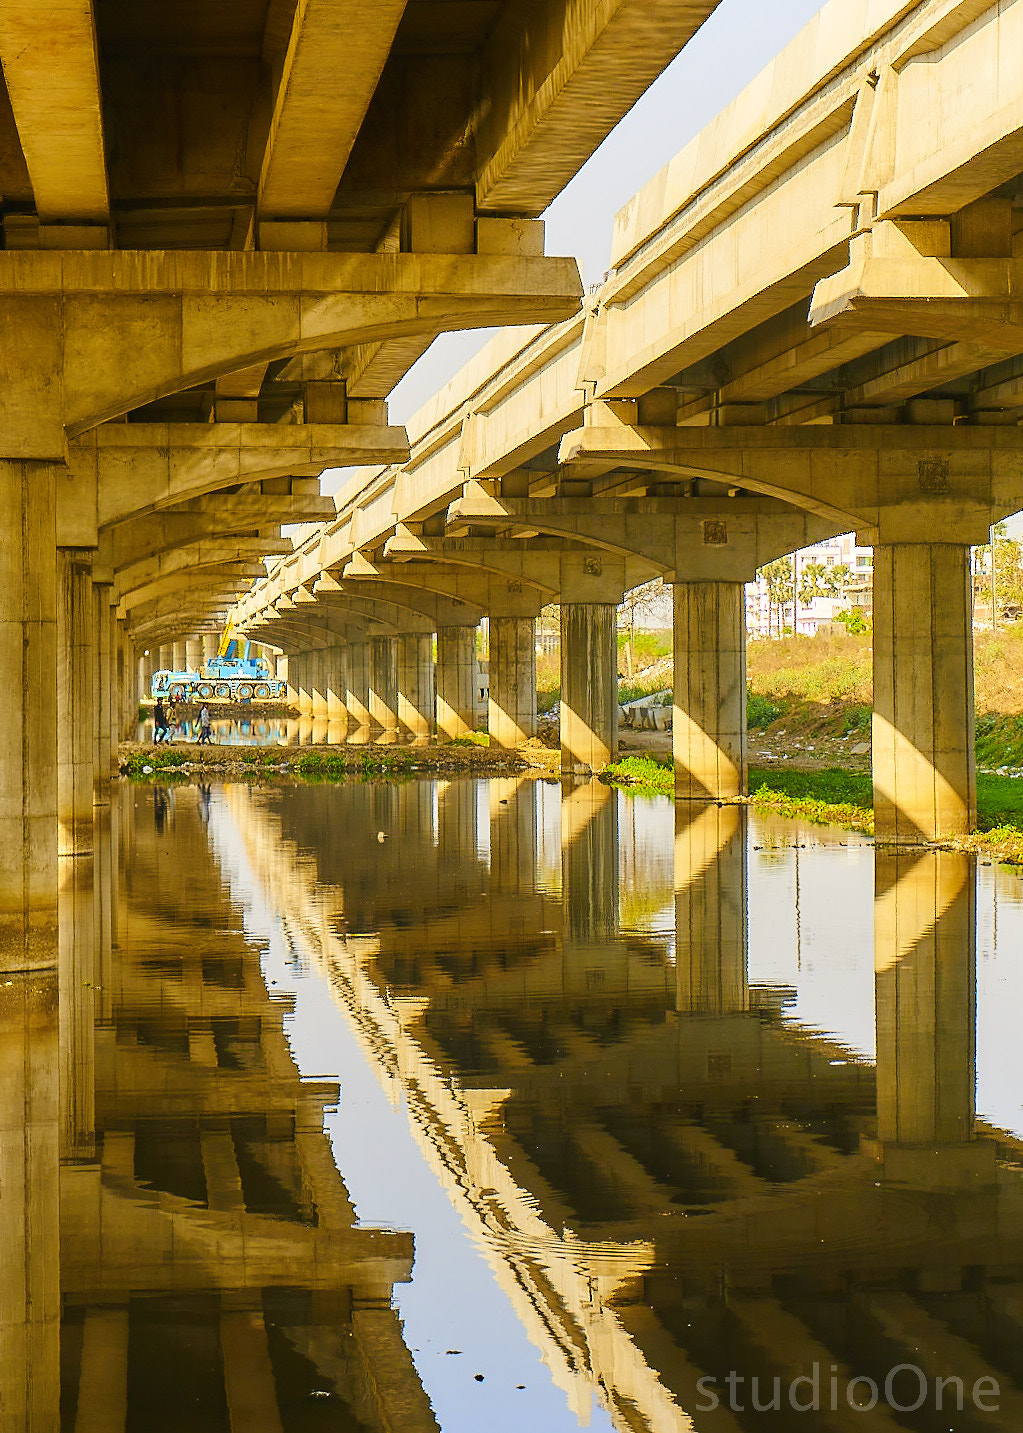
column 589, row 686
column 318, row 683
column 709, row 719
column 416, row 687
column 711, row 965
column 300, row 677
column 925, row 962
column 457, row 677
column 102, row 749
column 179, row 656
column 210, row 643
column 76, row 701
column 511, row 718
column 129, row 673
column 193, row 653
column 29, row 1210
column 336, row 683
column 166, row 658
column 923, row 729
column 357, row 695
column 146, row 670
column 383, row 685
column 28, row 752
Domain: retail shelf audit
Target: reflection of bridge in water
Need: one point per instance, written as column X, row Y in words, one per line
column 211, row 1274
column 671, row 1181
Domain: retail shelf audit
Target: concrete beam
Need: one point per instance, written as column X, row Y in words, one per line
column 559, row 77
column 109, row 332
column 51, row 68
column 316, row 120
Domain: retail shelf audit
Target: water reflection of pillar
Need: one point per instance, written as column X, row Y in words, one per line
column 925, row 961
column 711, row 970
column 589, row 862
column 457, row 821
column 78, row 925
column 512, row 834
column 29, row 1224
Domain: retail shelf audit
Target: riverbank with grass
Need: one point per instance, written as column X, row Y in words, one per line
column 188, row 762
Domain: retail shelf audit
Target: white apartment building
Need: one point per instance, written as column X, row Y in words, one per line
column 807, row 618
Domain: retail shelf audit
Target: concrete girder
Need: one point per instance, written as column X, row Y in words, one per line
column 893, row 483
column 112, row 331
column 196, row 556
column 165, row 616
column 221, row 575
column 892, row 287
column 391, row 614
column 315, row 121
column 297, row 633
column 559, row 81
column 191, row 536
column 120, row 469
column 138, row 538
column 684, row 539
column 549, row 562
column 51, row 69
column 442, row 610
column 480, row 589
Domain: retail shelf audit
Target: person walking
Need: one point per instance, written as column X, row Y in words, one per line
column 205, row 729
column 161, row 729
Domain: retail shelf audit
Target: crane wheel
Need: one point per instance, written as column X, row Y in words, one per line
column 261, row 691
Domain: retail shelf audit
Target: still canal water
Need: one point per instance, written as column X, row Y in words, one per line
column 618, row 1105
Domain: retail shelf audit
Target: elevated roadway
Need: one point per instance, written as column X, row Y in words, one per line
column 811, row 325
column 226, row 234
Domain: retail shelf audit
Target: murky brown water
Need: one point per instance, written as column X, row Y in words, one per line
column 487, row 1105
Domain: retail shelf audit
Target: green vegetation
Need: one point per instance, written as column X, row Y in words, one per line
column 1000, row 740
column 648, row 773
column 471, row 738
column 336, row 766
column 141, row 766
column 760, row 711
column 826, row 798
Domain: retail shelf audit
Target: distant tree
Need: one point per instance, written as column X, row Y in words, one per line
column 815, row 581
column 640, row 602
column 778, row 575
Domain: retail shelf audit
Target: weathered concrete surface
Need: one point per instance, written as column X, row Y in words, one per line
column 589, row 686
column 709, row 720
column 923, row 727
column 511, row 718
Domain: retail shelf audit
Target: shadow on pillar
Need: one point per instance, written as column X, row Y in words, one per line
column 457, row 679
column 511, row 717
column 923, row 727
column 709, row 718
column 925, row 961
column 589, row 686
column 711, row 883
column 383, row 685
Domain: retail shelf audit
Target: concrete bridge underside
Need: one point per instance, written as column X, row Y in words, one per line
column 809, row 327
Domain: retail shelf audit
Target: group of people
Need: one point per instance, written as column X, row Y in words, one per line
column 163, row 716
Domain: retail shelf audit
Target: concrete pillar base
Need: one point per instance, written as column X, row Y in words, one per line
column 457, row 678
column 511, row 718
column 589, row 687
column 923, row 728
column 709, row 718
